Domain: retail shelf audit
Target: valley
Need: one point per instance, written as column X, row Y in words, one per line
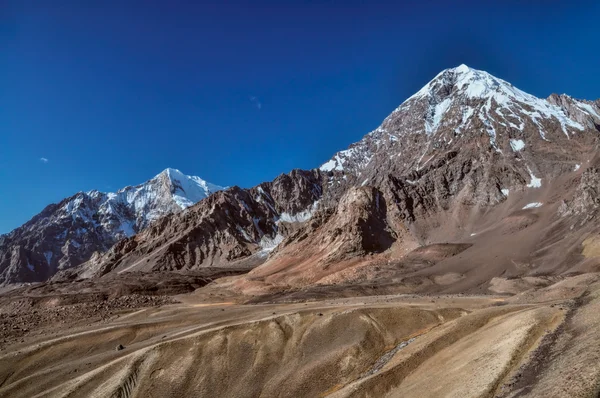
column 451, row 252
column 388, row 345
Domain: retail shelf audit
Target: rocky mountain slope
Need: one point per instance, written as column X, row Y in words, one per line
column 469, row 153
column 66, row 234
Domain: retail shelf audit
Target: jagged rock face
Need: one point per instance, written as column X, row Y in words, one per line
column 66, row 234
column 359, row 225
column 583, row 112
column 584, row 203
column 361, row 222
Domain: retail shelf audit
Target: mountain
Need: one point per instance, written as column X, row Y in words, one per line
column 463, row 103
column 66, row 234
column 469, row 181
column 467, row 153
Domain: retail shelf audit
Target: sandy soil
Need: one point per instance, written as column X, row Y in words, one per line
column 537, row 344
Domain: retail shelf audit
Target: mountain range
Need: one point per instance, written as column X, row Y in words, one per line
column 468, row 158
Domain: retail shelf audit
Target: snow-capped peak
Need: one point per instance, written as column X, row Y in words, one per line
column 462, row 85
column 459, row 104
column 66, row 234
column 130, row 209
column 187, row 190
column 462, row 68
column 472, row 83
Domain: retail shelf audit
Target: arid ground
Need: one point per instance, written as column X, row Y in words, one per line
column 541, row 342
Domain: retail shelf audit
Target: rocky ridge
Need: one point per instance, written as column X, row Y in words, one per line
column 233, row 227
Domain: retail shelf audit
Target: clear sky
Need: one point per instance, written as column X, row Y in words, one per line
column 111, row 93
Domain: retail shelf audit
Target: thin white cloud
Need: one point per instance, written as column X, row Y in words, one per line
column 44, row 160
column 256, row 102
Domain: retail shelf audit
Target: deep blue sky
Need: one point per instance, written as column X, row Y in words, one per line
column 113, row 94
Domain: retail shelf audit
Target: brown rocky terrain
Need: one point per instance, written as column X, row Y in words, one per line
column 454, row 251
column 538, row 343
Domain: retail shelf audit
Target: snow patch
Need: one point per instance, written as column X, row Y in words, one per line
column 329, row 166
column 435, row 115
column 535, row 182
column 359, row 153
column 466, row 120
column 244, row 233
column 300, row 216
column 269, row 244
column 517, row 145
column 587, row 108
column 485, row 118
column 577, row 166
column 505, row 192
column 532, row 205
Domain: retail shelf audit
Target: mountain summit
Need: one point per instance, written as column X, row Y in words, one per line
column 464, row 104
column 66, row 234
column 462, row 85
column 186, row 190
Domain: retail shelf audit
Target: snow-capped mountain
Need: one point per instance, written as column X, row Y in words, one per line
column 458, row 104
column 168, row 192
column 65, row 234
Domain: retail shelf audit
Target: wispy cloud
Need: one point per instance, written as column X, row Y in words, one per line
column 44, row 160
column 256, row 102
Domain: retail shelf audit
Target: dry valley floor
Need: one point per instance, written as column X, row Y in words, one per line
column 538, row 343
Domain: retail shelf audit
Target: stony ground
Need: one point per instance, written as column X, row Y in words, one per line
column 542, row 342
column 23, row 318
